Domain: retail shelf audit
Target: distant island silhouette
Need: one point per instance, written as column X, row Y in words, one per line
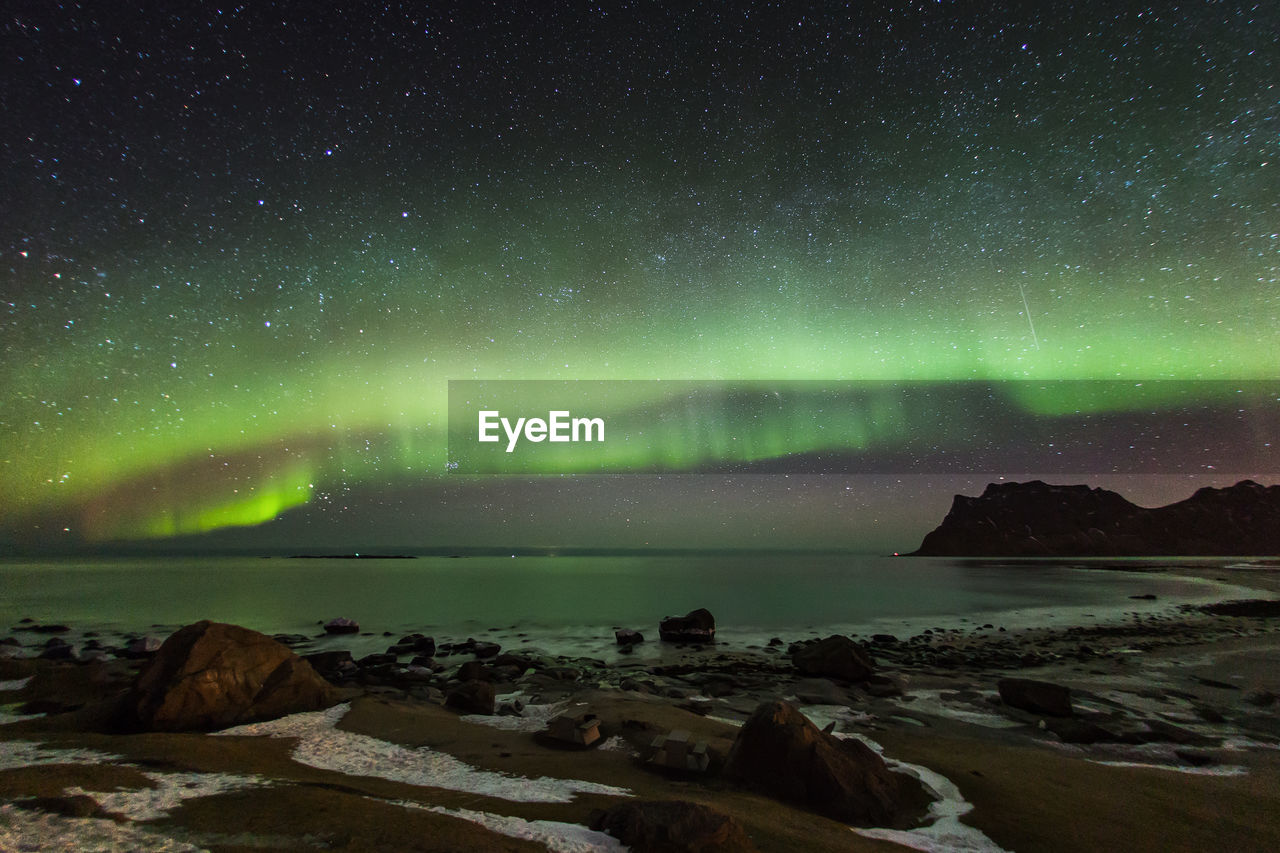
column 1036, row 519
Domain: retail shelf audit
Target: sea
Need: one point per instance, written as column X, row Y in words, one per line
column 572, row 604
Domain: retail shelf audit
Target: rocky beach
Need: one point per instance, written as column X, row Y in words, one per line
column 1154, row 731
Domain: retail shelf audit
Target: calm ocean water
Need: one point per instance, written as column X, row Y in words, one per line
column 571, row 604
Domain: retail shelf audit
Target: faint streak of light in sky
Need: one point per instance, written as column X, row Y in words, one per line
column 1028, row 310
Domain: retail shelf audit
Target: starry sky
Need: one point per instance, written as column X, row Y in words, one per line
column 243, row 249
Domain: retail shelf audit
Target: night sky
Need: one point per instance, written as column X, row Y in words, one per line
column 243, row 249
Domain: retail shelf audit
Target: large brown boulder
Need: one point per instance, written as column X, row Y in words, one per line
column 836, row 656
column 698, row 626
column 211, row 675
column 780, row 753
column 672, row 826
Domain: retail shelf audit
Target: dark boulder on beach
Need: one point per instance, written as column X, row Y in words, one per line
column 336, row 663
column 699, row 626
column 780, row 753
column 211, row 675
column 671, row 826
column 56, row 688
column 57, row 649
column 474, row 670
column 836, row 656
column 342, row 625
column 628, row 637
column 472, row 697
column 1037, row 697
column 417, row 644
column 1036, row 519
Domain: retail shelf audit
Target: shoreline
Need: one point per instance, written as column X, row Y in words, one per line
column 1178, row 705
column 1203, row 581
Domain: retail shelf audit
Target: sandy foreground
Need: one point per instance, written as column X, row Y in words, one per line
column 389, row 769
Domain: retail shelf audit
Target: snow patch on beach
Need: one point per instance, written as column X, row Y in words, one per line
column 324, row 746
column 1153, row 756
column 935, row 703
column 617, row 744
column 559, row 837
column 946, row 833
column 22, row 753
column 169, row 792
column 50, row 833
column 533, row 718
column 824, row 715
column 16, row 684
column 1217, row 770
column 136, row 804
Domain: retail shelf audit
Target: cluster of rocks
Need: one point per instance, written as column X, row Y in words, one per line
column 989, row 648
column 209, row 675
column 90, row 648
column 205, row 676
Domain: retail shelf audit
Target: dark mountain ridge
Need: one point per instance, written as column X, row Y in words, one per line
column 1037, row 519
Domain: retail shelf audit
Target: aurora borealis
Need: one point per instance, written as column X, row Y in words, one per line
column 245, row 249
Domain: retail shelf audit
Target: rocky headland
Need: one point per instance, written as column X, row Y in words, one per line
column 1036, row 519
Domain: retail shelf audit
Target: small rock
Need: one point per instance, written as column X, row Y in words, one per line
column 697, row 626
column 628, row 637
column 836, row 656
column 326, row 663
column 1038, row 697
column 671, row 825
column 290, row 640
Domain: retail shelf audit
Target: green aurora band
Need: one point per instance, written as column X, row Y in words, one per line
column 221, row 306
